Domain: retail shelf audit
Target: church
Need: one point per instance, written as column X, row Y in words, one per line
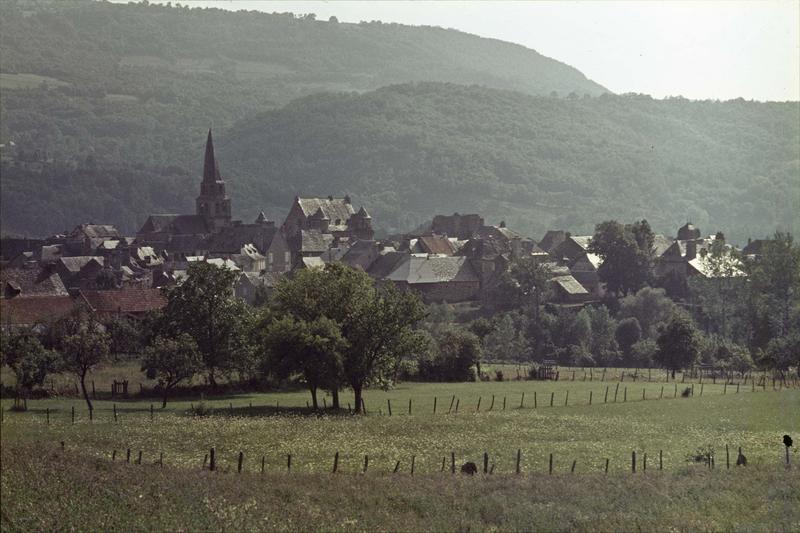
column 210, row 231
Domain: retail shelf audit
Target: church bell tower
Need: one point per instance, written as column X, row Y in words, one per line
column 213, row 204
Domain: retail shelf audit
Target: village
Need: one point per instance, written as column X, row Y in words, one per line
column 456, row 258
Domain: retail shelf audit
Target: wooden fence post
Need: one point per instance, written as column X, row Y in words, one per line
column 205, row 461
column 91, row 413
column 534, row 400
column 389, row 406
column 522, row 401
column 606, row 465
column 115, row 412
column 139, row 460
column 504, row 403
column 413, row 460
column 605, row 400
column 239, row 463
column 452, row 400
column 644, row 463
column 625, row 395
column 633, row 462
column 48, row 416
column 643, row 395
column 444, row 463
column 113, row 456
column 727, row 458
column 662, row 393
column 434, row 405
column 552, row 397
column 590, row 397
column 458, row 401
column 396, row 467
column 161, row 459
column 572, row 470
column 288, row 463
column 491, row 406
column 128, row 455
column 366, row 462
column 324, row 403
column 566, row 399
column 73, row 414
column 151, row 411
column 335, row 462
column 409, row 406
column 212, row 464
column 263, row 462
column 550, row 469
column 725, row 388
column 519, row 458
column 616, row 390
column 452, row 462
column 485, row 462
column 701, row 389
column 479, row 405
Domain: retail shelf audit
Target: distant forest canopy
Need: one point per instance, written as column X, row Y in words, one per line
column 107, row 107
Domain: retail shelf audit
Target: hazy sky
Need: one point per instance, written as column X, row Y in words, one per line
column 696, row 49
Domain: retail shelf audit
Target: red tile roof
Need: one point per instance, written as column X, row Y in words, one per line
column 35, row 310
column 124, row 300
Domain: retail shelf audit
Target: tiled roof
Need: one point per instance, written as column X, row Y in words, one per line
column 661, row 244
column 386, row 263
column 124, row 300
column 32, row 282
column 230, row 240
column 32, row 311
column 432, row 269
column 582, row 240
column 333, row 208
column 175, row 224
column 96, row 231
column 552, row 239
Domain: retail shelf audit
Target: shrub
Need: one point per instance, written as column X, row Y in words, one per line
column 686, row 392
column 498, row 375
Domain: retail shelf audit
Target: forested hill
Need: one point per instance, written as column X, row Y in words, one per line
column 413, row 150
column 136, row 82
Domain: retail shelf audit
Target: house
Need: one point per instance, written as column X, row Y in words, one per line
column 250, row 283
column 436, row 278
column 463, row 227
column 34, row 312
column 330, row 216
column 86, row 238
column 571, row 248
column 433, row 244
column 79, row 271
column 585, row 270
column 568, row 291
column 279, row 253
column 552, row 239
column 30, row 281
column 131, row 303
column 360, row 255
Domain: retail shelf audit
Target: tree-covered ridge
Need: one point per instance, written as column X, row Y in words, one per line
column 135, row 80
column 413, row 150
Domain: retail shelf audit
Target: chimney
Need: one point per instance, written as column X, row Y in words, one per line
column 691, row 250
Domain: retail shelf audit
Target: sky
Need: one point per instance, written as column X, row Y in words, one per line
column 696, row 49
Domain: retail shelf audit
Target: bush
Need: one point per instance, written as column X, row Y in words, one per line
column 498, row 375
column 457, row 353
column 686, row 392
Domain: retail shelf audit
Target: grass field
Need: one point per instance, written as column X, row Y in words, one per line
column 683, row 495
column 28, row 81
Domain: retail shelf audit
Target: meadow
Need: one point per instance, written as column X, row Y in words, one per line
column 269, row 427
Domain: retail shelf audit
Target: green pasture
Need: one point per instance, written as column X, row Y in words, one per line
column 275, row 425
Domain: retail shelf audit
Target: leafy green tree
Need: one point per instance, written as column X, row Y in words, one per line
column 776, row 279
column 602, row 344
column 84, row 349
column 28, row 359
column 313, row 349
column 628, row 333
column 678, row 344
column 643, row 352
column 481, row 327
column 457, row 352
column 204, row 307
column 651, row 307
column 126, row 336
column 782, row 353
column 171, row 360
column 627, row 255
column 505, row 342
column 377, row 323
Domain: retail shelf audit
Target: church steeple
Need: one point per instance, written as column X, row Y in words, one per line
column 210, row 166
column 213, row 204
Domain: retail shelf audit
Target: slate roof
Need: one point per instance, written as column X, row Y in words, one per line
column 312, row 241
column 230, row 240
column 77, row 263
column 361, row 254
column 582, row 240
column 265, row 279
column 96, row 231
column 35, row 282
column 386, row 263
column 433, row 269
column 32, row 311
column 313, row 262
column 175, row 224
column 436, row 244
column 216, row 261
column 124, row 300
column 552, row 239
column 661, row 244
column 570, row 285
column 51, row 252
column 333, row 208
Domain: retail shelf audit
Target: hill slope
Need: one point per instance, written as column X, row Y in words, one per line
column 410, row 151
column 136, row 82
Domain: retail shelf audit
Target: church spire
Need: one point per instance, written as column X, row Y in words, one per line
column 210, row 166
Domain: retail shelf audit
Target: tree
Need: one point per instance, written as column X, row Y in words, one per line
column 677, row 344
column 84, row 348
column 204, row 307
column 628, row 333
column 458, row 351
column 776, row 278
column 505, row 342
column 602, row 344
column 313, row 349
column 28, row 359
column 171, row 360
column 627, row 255
column 481, row 328
column 377, row 323
column 651, row 307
